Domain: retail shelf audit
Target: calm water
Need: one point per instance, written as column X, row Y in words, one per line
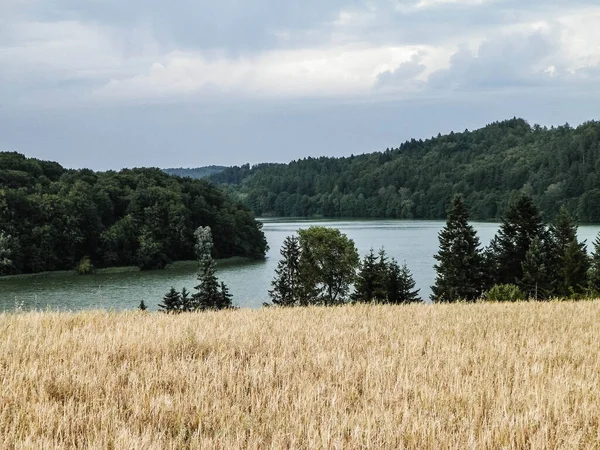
column 412, row 241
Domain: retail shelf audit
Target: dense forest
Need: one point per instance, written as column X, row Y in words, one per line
column 197, row 173
column 52, row 218
column 490, row 167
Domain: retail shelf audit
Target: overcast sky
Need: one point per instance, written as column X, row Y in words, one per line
column 114, row 83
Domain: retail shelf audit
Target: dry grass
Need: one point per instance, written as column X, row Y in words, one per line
column 421, row 377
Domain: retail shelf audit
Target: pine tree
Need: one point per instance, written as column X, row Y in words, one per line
column 186, row 301
column 572, row 263
column 171, row 302
column 519, row 228
column 142, row 306
column 401, row 285
column 367, row 280
column 225, row 298
column 536, row 281
column 460, row 263
column 381, row 284
column 208, row 294
column 287, row 285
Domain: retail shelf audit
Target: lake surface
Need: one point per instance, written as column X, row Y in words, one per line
column 413, row 242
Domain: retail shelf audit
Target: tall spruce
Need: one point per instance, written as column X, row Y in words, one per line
column 509, row 247
column 400, row 284
column 171, row 302
column 536, row 282
column 225, row 298
column 208, row 293
column 460, row 262
column 370, row 284
column 572, row 263
column 186, row 301
column 287, row 285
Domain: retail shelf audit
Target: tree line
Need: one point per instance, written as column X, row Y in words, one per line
column 527, row 259
column 489, row 167
column 52, row 218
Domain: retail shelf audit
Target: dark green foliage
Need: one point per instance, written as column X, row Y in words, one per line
column 328, row 263
column 287, row 287
column 371, row 281
column 537, row 277
column 210, row 294
column 142, row 306
column 570, row 257
column 460, row 272
column 489, row 167
column 186, row 301
column 519, row 228
column 143, row 217
column 504, row 293
column 225, row 299
column 400, row 285
column 171, row 302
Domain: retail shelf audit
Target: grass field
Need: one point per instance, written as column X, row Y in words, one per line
column 514, row 376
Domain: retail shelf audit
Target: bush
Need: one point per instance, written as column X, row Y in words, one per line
column 505, row 293
column 85, row 266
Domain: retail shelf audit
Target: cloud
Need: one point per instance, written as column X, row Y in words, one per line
column 404, row 75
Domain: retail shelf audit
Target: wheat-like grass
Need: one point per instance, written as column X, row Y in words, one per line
column 514, row 376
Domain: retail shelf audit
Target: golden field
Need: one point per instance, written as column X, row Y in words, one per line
column 515, row 376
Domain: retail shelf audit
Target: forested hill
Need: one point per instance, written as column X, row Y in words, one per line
column 489, row 166
column 197, row 173
column 51, row 217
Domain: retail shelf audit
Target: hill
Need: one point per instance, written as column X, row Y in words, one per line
column 490, row 166
column 516, row 375
column 52, row 217
column 197, row 173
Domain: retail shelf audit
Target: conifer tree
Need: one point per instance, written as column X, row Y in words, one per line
column 142, row 306
column 536, row 281
column 367, row 280
column 225, row 298
column 287, row 285
column 400, row 284
column 460, row 263
column 208, row 293
column 186, row 301
column 381, row 286
column 171, row 302
column 519, row 228
column 571, row 260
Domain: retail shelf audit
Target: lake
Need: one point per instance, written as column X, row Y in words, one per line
column 411, row 241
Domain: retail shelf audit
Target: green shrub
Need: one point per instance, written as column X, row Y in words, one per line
column 505, row 293
column 85, row 266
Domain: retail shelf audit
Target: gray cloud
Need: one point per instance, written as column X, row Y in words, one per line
column 145, row 82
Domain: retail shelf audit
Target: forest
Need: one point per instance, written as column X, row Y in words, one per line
column 52, row 218
column 490, row 167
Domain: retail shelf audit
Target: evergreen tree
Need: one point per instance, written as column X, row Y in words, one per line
column 460, row 263
column 225, row 298
column 186, row 301
column 209, row 294
column 171, row 302
column 381, row 285
column 401, row 285
column 519, row 228
column 142, row 306
column 368, row 279
column 287, row 285
column 572, row 263
column 536, row 281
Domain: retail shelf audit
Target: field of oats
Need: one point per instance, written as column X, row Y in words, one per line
column 523, row 375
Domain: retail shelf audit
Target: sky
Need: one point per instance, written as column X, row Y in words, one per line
column 108, row 84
